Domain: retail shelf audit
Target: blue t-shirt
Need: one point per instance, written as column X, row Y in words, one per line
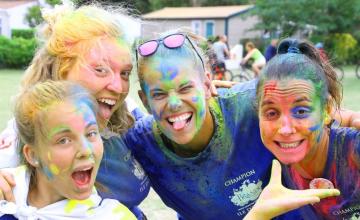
column 270, row 52
column 342, row 169
column 120, row 176
column 226, row 178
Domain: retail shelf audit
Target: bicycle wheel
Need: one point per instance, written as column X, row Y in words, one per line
column 339, row 72
column 228, row 75
column 357, row 71
column 240, row 78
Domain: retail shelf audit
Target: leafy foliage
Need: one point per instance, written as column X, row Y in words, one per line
column 16, row 52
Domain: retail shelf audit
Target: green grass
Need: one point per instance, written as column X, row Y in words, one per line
column 9, row 84
column 10, row 81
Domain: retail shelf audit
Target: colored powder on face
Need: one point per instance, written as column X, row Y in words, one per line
column 72, row 204
column 174, row 101
column 54, row 169
column 169, row 72
column 47, row 172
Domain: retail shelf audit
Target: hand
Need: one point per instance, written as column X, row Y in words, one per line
column 220, row 84
column 7, row 141
column 7, row 182
column 275, row 199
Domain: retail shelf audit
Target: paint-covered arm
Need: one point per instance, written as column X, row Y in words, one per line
column 348, row 118
column 276, row 200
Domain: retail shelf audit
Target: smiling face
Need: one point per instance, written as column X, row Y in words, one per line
column 70, row 154
column 291, row 119
column 176, row 96
column 105, row 72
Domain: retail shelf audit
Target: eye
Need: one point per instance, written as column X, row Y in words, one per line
column 301, row 112
column 64, row 141
column 125, row 75
column 271, row 114
column 158, row 95
column 102, row 71
column 185, row 89
column 93, row 134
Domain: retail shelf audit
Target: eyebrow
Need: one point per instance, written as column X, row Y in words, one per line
column 266, row 102
column 58, row 130
column 185, row 83
column 302, row 99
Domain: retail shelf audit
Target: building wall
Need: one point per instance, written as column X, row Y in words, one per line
column 239, row 28
column 17, row 16
column 4, row 24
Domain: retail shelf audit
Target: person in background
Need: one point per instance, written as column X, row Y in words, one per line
column 253, row 53
column 221, row 50
column 270, row 51
column 320, row 48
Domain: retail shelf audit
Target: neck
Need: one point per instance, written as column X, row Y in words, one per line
column 42, row 193
column 313, row 165
column 201, row 139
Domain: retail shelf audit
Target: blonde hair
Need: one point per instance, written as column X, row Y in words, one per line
column 32, row 103
column 250, row 44
column 67, row 35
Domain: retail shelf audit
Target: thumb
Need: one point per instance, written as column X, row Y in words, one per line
column 275, row 178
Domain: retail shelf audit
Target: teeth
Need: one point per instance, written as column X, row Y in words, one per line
column 107, row 101
column 180, row 117
column 289, row 145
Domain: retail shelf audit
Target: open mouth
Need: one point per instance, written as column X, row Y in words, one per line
column 289, row 145
column 105, row 107
column 82, row 177
column 180, row 121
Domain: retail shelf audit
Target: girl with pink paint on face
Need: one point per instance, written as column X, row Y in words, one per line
column 296, row 93
column 61, row 150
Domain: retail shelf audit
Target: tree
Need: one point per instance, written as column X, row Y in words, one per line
column 33, row 16
column 330, row 16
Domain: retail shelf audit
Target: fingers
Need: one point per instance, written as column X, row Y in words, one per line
column 7, row 182
column 6, row 142
column 213, row 89
column 321, row 193
column 275, row 178
column 288, row 204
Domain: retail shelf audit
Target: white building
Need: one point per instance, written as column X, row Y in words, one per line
column 12, row 15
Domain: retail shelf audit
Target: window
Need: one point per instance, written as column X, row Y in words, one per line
column 196, row 26
column 210, row 26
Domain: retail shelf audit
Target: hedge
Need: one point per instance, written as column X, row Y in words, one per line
column 23, row 33
column 16, row 52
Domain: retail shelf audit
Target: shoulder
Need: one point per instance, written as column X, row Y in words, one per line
column 244, row 88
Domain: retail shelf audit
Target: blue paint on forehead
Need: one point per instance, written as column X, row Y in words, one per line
column 168, row 70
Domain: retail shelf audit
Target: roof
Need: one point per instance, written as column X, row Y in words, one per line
column 197, row 12
column 6, row 4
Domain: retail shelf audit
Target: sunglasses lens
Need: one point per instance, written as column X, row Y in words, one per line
column 174, row 41
column 147, row 48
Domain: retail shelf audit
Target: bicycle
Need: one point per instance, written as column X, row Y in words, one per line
column 357, row 70
column 245, row 74
column 220, row 72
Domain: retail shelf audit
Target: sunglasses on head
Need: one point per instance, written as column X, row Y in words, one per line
column 171, row 41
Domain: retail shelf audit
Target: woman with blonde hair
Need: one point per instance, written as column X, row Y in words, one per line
column 61, row 153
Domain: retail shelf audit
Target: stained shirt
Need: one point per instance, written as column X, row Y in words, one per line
column 226, row 178
column 342, row 169
column 92, row 208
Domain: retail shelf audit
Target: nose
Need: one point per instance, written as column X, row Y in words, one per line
column 84, row 149
column 115, row 84
column 175, row 103
column 287, row 127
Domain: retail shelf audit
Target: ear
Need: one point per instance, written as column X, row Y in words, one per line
column 144, row 100
column 207, row 84
column 30, row 155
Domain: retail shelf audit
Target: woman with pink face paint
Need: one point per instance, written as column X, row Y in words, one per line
column 296, row 93
column 61, row 152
